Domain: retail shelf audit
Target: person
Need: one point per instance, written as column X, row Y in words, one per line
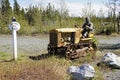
column 87, row 27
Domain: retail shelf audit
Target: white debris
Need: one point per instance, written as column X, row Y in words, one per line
column 85, row 71
column 111, row 59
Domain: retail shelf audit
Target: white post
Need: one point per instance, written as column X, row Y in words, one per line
column 14, row 44
column 14, row 27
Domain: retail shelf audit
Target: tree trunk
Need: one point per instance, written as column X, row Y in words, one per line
column 118, row 23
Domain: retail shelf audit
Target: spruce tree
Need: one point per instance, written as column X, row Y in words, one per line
column 6, row 12
column 16, row 8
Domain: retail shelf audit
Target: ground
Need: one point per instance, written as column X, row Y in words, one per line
column 110, row 44
column 38, row 45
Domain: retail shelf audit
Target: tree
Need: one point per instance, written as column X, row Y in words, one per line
column 118, row 22
column 113, row 6
column 101, row 13
column 49, row 11
column 63, row 11
column 87, row 11
column 29, row 15
column 37, row 17
column 51, row 15
column 6, row 9
column 6, row 12
column 23, row 13
column 34, row 17
column 16, row 8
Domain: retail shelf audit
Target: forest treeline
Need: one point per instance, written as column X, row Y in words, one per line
column 37, row 19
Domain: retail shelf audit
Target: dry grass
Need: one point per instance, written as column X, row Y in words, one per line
column 26, row 69
column 117, row 52
column 52, row 68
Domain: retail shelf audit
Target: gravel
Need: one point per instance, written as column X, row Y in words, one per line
column 108, row 39
column 26, row 44
column 108, row 42
column 115, row 75
column 30, row 44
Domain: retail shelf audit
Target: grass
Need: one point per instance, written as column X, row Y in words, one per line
column 26, row 69
column 4, row 56
column 117, row 52
column 51, row 68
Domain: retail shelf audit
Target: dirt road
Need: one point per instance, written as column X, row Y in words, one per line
column 26, row 44
column 109, row 42
column 29, row 44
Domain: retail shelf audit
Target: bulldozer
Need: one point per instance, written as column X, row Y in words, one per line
column 69, row 43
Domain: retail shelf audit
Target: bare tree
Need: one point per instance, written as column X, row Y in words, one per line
column 101, row 13
column 118, row 22
column 87, row 11
column 113, row 6
column 62, row 10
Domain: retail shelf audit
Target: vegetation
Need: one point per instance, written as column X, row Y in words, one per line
column 37, row 19
column 50, row 68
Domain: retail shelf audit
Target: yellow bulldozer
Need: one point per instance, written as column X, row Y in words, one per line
column 70, row 43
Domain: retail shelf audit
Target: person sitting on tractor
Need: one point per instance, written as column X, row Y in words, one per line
column 87, row 27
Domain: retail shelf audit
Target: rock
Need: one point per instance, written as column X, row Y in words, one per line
column 85, row 71
column 111, row 60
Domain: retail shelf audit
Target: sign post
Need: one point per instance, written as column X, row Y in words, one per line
column 14, row 27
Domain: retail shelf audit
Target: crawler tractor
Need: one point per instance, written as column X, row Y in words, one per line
column 69, row 43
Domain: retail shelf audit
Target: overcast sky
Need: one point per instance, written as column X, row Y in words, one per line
column 74, row 6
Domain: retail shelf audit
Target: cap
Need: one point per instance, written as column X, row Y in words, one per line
column 13, row 19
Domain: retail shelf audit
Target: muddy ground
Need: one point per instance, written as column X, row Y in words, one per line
column 38, row 45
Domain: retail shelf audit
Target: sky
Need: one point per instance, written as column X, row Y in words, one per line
column 74, row 7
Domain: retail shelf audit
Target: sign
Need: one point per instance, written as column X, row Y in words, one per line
column 14, row 26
